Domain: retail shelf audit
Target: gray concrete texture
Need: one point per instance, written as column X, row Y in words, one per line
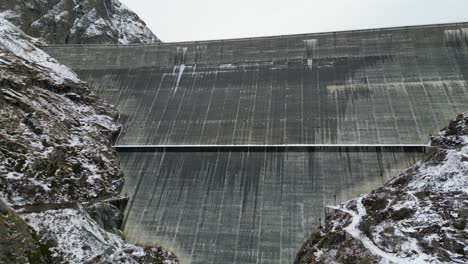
column 245, row 205
column 389, row 86
column 259, row 204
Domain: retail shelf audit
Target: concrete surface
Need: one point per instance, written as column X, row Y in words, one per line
column 389, row 86
column 246, row 205
column 233, row 148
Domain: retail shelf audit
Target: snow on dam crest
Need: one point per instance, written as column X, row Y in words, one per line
column 233, row 148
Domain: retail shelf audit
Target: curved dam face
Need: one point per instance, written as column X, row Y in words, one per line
column 244, row 204
column 232, row 149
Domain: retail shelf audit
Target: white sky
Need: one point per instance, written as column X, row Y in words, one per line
column 184, row 20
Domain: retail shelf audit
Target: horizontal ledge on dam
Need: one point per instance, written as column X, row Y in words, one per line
column 277, row 148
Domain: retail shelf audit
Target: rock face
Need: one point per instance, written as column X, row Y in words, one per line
column 18, row 241
column 55, row 133
column 77, row 21
column 65, row 228
column 420, row 216
column 56, row 158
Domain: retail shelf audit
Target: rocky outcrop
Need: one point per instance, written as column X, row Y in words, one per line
column 420, row 216
column 18, row 241
column 78, row 238
column 77, row 21
column 55, row 134
column 57, row 165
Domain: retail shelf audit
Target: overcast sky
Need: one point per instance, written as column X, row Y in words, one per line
column 183, row 20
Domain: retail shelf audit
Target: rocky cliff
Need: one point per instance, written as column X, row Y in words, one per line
column 57, row 165
column 77, row 21
column 418, row 217
column 19, row 243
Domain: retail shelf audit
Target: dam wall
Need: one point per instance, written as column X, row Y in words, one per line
column 242, row 204
column 389, row 86
column 232, row 149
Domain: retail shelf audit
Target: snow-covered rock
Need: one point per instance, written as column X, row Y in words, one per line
column 55, row 134
column 79, row 239
column 77, row 21
column 15, row 42
column 56, row 156
column 18, row 241
column 418, row 217
column 47, row 119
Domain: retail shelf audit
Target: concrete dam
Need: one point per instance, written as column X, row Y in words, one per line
column 232, row 149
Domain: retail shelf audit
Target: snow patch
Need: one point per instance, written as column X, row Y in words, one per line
column 356, row 233
column 450, row 175
column 79, row 238
column 15, row 41
column 60, row 16
column 9, row 14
